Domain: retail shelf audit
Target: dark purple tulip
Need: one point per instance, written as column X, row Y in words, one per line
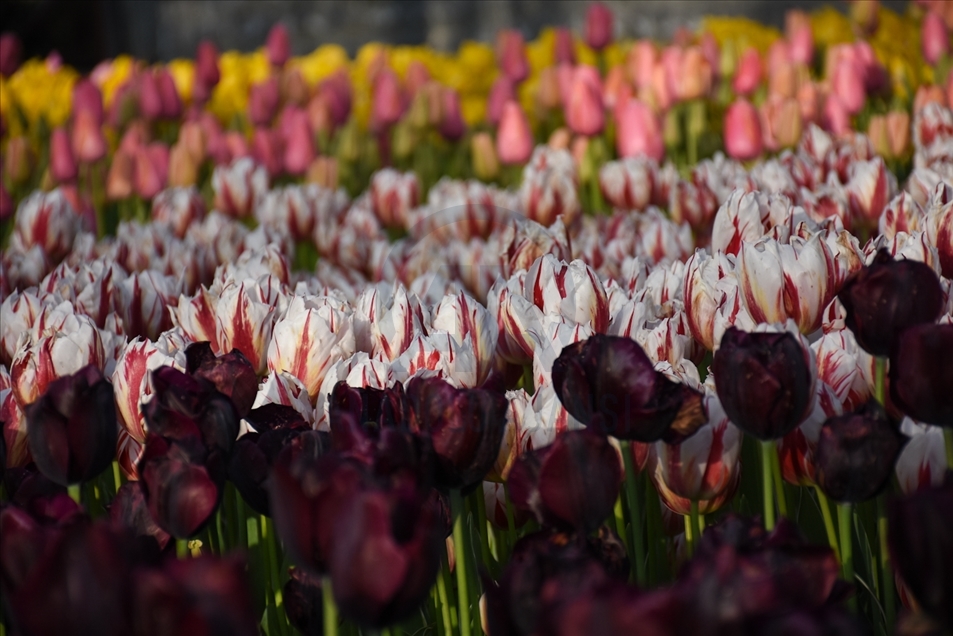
column 920, row 537
column 466, row 428
column 618, row 608
column 11, row 50
column 232, row 374
column 609, row 381
column 47, row 501
column 72, row 429
column 888, row 296
column 574, row 482
column 23, row 542
column 921, row 374
column 384, row 555
column 254, row 453
column 856, row 452
column 304, row 602
column 129, row 510
column 764, row 381
column 205, row 595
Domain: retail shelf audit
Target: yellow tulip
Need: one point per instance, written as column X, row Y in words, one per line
column 183, row 73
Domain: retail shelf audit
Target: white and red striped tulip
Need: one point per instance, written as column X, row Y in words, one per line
column 393, row 195
column 142, row 300
column 549, row 188
column 467, row 320
column 18, row 312
column 571, row 290
column 48, row 220
column 131, row 383
column 627, row 183
column 517, row 319
column 239, row 187
column 178, row 208
column 387, row 318
column 740, row 219
column 922, row 462
column 870, row 188
column 245, row 316
column 285, row 389
column 844, row 367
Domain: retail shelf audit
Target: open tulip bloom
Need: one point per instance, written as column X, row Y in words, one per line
column 570, row 335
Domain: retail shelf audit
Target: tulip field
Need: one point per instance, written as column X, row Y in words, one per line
column 573, row 336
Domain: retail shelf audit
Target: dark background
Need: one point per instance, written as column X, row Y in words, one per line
column 85, row 32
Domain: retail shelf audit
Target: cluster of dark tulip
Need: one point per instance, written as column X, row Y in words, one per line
column 374, row 514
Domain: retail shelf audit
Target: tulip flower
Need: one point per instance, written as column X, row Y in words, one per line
column 87, row 140
column 393, row 194
column 303, row 600
column 511, row 55
column 168, row 95
column 48, row 220
column 388, row 99
column 501, row 92
column 469, row 321
column 627, row 184
column 918, row 535
column 231, row 374
column 299, row 148
column 207, row 74
column 599, row 26
column 128, row 509
column 130, row 381
column 765, row 381
column 934, row 38
column 610, row 384
column 564, row 50
column 278, row 45
column 150, row 101
column 887, row 297
column 466, row 427
column 10, row 51
column 72, row 428
column 18, row 160
column 584, row 109
column 870, row 187
column 748, row 76
column 514, row 141
column 263, row 102
column 239, row 187
column 572, row 483
column 638, row 132
column 62, row 163
column 922, row 463
column 920, row 374
column 742, row 131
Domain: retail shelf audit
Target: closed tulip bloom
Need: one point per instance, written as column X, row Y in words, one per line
column 148, row 174
column 887, row 297
column 263, row 102
column 743, row 137
column 571, row 483
column 639, row 132
column 231, row 374
column 765, row 381
column 246, row 314
column 299, row 147
column 72, row 428
column 278, row 45
column 47, row 219
column 934, row 38
column 501, row 92
column 469, row 321
column 18, row 160
column 781, row 123
column 168, row 94
column 239, row 187
column 511, row 55
column 87, row 98
column 131, row 383
column 749, row 72
column 599, row 26
column 62, row 163
column 388, row 99
column 922, row 462
column 920, row 373
column 801, row 40
column 150, row 101
column 847, row 83
column 514, row 140
column 11, row 50
column 856, row 453
column 564, row 49
column 898, row 132
column 207, row 74
column 87, row 140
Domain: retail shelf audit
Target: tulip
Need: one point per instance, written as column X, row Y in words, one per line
column 514, row 140
column 870, row 188
column 148, row 175
column 18, row 313
column 781, row 123
column 847, row 84
column 120, row 177
column 130, row 381
column 511, row 55
column 303, row 600
column 767, row 381
column 150, row 101
column 922, row 463
column 263, row 102
column 934, row 38
column 393, row 194
column 278, row 45
column 801, row 40
column 564, row 51
column 887, row 297
column 469, row 322
column 6, row 203
column 388, row 99
column 599, row 26
column 742, row 131
column 87, row 140
column 207, row 74
column 168, row 95
column 749, row 72
column 246, row 315
column 918, row 535
column 72, row 428
column 11, row 49
column 627, row 184
column 231, row 374
column 465, row 425
column 88, row 99
column 501, row 92
column 18, row 160
column 572, row 483
column 452, row 125
column 299, row 147
column 62, row 164
column 239, row 187
column 128, row 509
column 638, row 132
column 48, row 220
column 610, row 384
column 919, row 375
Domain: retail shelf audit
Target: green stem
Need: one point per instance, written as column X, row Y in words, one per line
column 846, row 525
column 690, row 534
column 948, row 443
column 828, row 520
column 460, row 552
column 767, row 449
column 479, row 512
column 695, row 523
column 510, row 520
column 619, row 514
column 330, row 609
column 635, row 519
column 528, row 379
column 268, row 537
column 117, row 477
column 446, row 599
column 889, row 593
column 182, row 548
column 778, row 482
column 880, row 371
column 442, row 599
column 74, row 491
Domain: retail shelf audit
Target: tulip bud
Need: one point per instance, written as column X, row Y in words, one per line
column 501, row 92
column 564, row 51
column 599, row 26
column 483, row 156
column 121, row 173
column 388, row 100
column 514, row 140
column 11, row 49
column 239, row 187
column 749, row 72
column 88, row 141
column 299, row 147
column 393, row 195
column 207, row 74
column 511, row 55
column 856, row 453
column 18, row 160
column 742, row 131
column 877, row 132
column 452, row 125
column 922, row 463
column 168, row 94
column 148, row 178
column 898, row 132
column 48, row 220
column 584, row 109
column 278, row 45
column 934, row 38
column 765, row 381
column 72, row 428
column 62, row 164
column 920, row 373
column 263, row 102
column 848, row 85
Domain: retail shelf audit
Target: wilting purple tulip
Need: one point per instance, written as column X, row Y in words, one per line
column 278, row 45
column 887, row 297
column 598, row 26
column 573, row 482
column 921, row 373
column 920, row 537
column 11, row 49
column 856, row 452
column 765, row 381
column 62, row 163
column 129, row 509
column 232, row 374
column 608, row 383
column 466, row 427
column 303, row 600
column 72, row 429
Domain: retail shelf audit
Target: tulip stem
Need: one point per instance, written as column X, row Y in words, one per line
column 828, row 520
column 619, row 513
column 889, row 594
column 948, row 443
column 778, row 481
column 442, row 598
column 330, row 609
column 182, row 548
column 460, row 553
column 880, row 371
column 117, row 477
column 75, row 493
column 691, row 527
column 767, row 450
column 268, row 539
column 635, row 519
column 510, row 521
column 846, row 526
column 528, row 379
column 479, row 512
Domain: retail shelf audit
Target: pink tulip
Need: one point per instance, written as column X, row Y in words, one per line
column 934, row 38
column 266, row 150
column 237, row 146
column 417, row 75
column 511, row 55
column 639, row 132
column 148, row 179
column 6, row 204
column 565, row 74
column 388, row 100
column 836, row 117
column 749, row 72
column 263, row 102
column 10, row 52
column 336, row 91
column 62, row 163
column 514, row 140
column 599, row 26
column 88, row 141
column 150, row 100
column 584, row 111
column 207, row 74
column 452, row 125
column 847, row 83
column 802, row 44
column 88, row 99
column 120, row 177
column 501, row 92
column 299, row 147
column 168, row 95
column 742, row 131
column 547, row 93
column 278, row 45
column 564, row 49
column 641, row 62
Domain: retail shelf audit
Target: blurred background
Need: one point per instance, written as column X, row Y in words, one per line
column 86, row 32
